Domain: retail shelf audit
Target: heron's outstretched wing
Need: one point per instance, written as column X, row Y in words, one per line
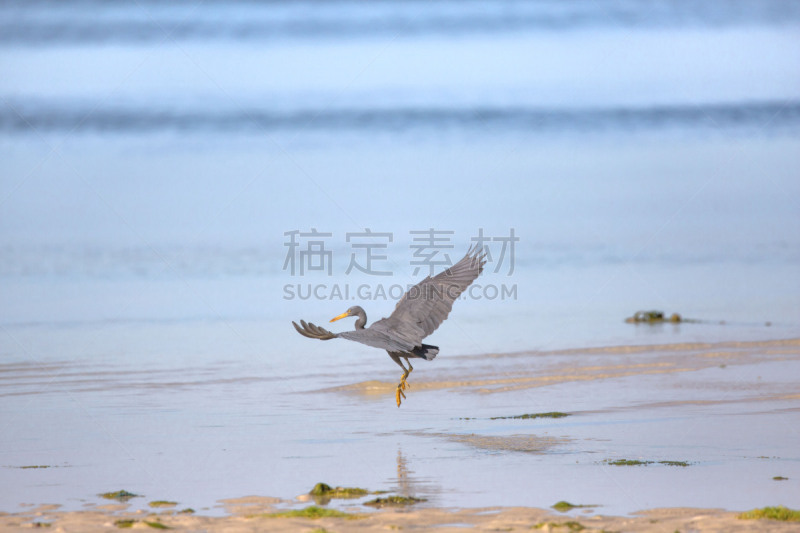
column 370, row 337
column 314, row 332
column 426, row 305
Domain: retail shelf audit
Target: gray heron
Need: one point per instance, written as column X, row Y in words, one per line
column 417, row 314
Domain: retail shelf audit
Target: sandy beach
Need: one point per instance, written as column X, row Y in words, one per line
column 250, row 519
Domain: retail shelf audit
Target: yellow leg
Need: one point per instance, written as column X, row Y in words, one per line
column 403, row 384
column 403, row 381
column 397, row 395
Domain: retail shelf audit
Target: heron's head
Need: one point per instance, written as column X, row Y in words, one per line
column 353, row 311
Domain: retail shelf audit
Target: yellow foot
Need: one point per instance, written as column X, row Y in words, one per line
column 397, row 395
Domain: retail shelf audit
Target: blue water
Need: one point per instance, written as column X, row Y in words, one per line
column 154, row 155
column 48, row 23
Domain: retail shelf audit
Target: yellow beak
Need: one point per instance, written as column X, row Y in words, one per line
column 343, row 315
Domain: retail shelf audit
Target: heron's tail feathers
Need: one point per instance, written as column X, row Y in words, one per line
column 426, row 351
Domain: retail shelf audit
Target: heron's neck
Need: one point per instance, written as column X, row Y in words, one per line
column 362, row 320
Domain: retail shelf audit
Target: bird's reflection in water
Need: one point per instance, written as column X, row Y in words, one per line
column 403, row 485
column 409, row 485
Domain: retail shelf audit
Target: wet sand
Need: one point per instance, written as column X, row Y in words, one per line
column 508, row 372
column 250, row 514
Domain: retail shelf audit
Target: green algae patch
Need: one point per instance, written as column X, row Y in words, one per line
column 552, row 414
column 28, row 467
column 656, row 317
column 188, row 510
column 563, row 506
column 780, row 512
column 313, row 512
column 326, row 491
column 674, row 463
column 127, row 523
column 394, row 501
column 627, row 462
column 570, row 526
column 120, row 495
column 321, row 489
column 162, row 503
column 156, row 525
column 780, row 478
column 637, row 462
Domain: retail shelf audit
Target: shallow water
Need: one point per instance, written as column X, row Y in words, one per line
column 211, row 430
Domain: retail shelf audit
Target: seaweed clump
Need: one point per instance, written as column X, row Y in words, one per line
column 552, row 414
column 654, row 317
column 156, row 525
column 674, row 463
column 571, row 525
column 564, row 506
column 636, row 462
column 322, row 489
column 627, row 462
column 127, row 523
column 119, row 495
column 394, row 501
column 162, row 503
column 313, row 512
column 780, row 512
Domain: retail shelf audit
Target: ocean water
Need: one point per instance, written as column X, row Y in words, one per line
column 157, row 158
